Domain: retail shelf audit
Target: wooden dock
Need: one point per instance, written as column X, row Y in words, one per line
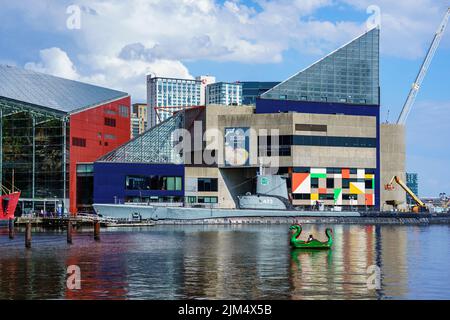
column 77, row 222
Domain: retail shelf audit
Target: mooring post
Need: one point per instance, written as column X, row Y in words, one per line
column 11, row 228
column 28, row 235
column 69, row 231
column 96, row 230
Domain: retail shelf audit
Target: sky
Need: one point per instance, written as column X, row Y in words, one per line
column 116, row 43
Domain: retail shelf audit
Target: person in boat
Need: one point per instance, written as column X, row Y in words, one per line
column 310, row 238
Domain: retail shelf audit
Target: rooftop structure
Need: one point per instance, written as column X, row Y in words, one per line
column 165, row 96
column 153, row 146
column 349, row 74
column 224, row 93
column 49, row 92
column 254, row 89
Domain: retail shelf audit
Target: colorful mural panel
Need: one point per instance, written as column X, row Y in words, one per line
column 333, row 186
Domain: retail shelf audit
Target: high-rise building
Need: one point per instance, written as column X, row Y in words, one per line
column 412, row 182
column 206, row 80
column 254, row 89
column 224, row 93
column 138, row 119
column 165, row 96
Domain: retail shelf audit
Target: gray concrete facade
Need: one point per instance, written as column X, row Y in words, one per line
column 393, row 156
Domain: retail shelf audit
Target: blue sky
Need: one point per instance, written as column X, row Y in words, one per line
column 119, row 42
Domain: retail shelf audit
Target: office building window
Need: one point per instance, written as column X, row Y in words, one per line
column 110, row 112
column 314, row 182
column 345, row 183
column 330, row 183
column 311, row 127
column 110, row 122
column 326, row 196
column 79, row 142
column 207, row 184
column 207, row 199
column 301, row 196
column 274, row 146
column 191, row 199
column 124, row 111
column 110, row 137
column 153, row 182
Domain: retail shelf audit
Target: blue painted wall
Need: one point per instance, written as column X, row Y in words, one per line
column 109, row 180
column 277, row 106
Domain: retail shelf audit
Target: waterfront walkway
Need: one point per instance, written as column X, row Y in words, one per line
column 362, row 218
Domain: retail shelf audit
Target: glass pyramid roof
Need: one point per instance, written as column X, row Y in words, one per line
column 52, row 92
column 156, row 145
column 349, row 74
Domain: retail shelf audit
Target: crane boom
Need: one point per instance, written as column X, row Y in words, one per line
column 423, row 70
column 407, row 189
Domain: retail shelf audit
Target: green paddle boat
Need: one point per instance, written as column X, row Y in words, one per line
column 310, row 244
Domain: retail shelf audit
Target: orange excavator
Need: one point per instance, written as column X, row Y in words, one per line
column 420, row 205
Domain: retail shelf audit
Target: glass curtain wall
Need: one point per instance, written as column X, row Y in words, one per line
column 48, row 161
column 348, row 75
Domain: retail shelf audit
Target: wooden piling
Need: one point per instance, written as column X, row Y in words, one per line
column 96, row 230
column 28, row 235
column 11, row 228
column 69, row 231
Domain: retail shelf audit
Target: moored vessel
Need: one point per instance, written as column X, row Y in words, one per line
column 8, row 204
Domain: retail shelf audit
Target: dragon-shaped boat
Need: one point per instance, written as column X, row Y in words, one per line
column 295, row 242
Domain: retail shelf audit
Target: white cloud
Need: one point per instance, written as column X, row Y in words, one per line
column 112, row 72
column 130, row 75
column 153, row 34
column 194, row 30
column 118, row 50
column 407, row 27
column 56, row 62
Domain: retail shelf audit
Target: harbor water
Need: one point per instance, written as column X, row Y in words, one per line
column 229, row 262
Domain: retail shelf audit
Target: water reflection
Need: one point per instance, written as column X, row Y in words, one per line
column 228, row 262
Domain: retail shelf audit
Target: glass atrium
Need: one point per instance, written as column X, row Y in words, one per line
column 348, row 75
column 156, row 145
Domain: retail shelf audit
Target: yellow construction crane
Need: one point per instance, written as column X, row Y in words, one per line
column 420, row 207
column 446, row 204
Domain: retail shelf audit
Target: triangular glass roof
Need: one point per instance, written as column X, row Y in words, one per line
column 349, row 74
column 156, row 145
column 52, row 92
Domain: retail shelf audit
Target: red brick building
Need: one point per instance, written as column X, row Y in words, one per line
column 94, row 132
column 51, row 129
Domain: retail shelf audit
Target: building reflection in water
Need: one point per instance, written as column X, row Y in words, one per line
column 103, row 267
column 29, row 274
column 217, row 264
column 235, row 263
column 213, row 262
column 26, row 278
column 393, row 252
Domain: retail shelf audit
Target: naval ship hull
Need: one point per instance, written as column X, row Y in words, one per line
column 131, row 212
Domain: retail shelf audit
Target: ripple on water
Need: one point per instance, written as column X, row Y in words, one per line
column 228, row 262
